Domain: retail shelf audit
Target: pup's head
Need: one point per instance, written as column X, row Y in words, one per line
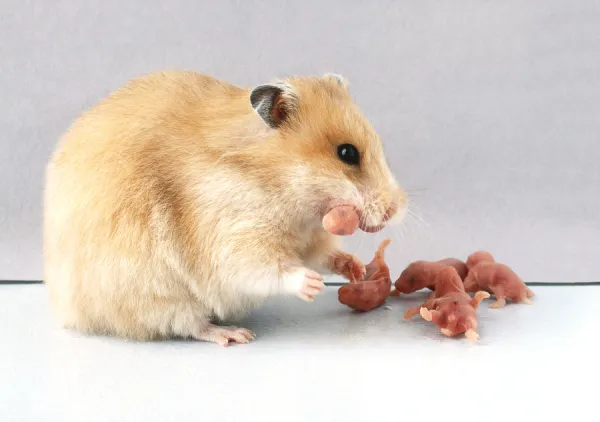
column 416, row 276
column 455, row 317
column 479, row 257
column 325, row 150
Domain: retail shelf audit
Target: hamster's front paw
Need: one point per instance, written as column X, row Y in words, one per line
column 347, row 265
column 304, row 283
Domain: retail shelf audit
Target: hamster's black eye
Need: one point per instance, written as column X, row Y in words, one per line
column 349, row 154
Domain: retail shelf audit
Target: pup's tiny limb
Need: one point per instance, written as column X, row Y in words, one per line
column 498, row 292
column 499, row 303
column 526, row 301
column 426, row 314
column 479, row 296
column 471, row 335
column 411, row 312
column 446, row 332
column 470, row 283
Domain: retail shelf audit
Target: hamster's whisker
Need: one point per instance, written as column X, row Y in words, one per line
column 360, row 243
column 416, row 222
column 414, row 192
column 397, row 232
column 417, row 215
column 419, row 224
column 417, row 218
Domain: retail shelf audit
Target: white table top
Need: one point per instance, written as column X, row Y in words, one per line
column 310, row 362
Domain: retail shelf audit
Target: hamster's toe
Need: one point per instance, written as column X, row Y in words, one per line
column 304, row 283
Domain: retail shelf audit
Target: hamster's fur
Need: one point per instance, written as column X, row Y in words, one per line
column 181, row 200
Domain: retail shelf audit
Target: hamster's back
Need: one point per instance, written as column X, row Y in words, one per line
column 115, row 188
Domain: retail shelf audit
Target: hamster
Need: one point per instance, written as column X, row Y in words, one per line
column 181, row 201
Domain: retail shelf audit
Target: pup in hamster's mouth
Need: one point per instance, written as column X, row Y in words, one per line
column 343, row 220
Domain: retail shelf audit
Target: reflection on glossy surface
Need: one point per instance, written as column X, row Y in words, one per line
column 307, row 360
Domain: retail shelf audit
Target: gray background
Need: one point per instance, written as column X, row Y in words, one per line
column 492, row 107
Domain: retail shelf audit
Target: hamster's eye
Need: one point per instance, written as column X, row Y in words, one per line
column 349, row 154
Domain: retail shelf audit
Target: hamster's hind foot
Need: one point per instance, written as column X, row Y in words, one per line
column 223, row 335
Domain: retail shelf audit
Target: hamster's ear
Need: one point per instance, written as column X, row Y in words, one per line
column 274, row 102
column 339, row 79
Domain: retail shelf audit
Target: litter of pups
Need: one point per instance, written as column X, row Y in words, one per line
column 449, row 305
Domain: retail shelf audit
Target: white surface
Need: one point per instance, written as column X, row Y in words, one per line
column 490, row 106
column 310, row 362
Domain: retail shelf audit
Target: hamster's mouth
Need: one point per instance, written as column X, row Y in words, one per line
column 371, row 229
